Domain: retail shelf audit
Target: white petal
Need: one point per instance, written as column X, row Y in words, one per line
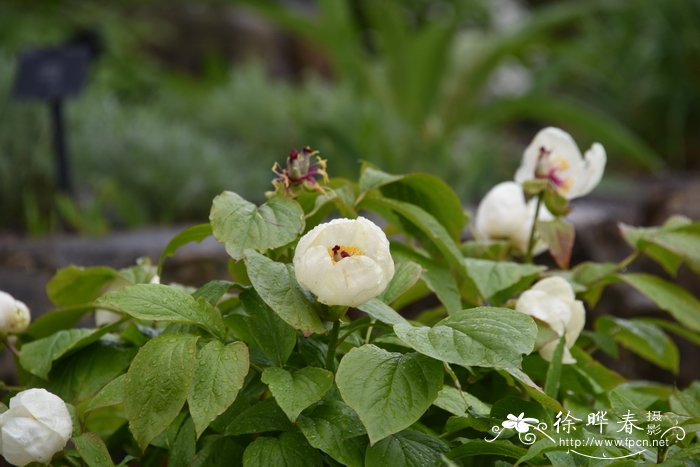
column 547, row 353
column 591, row 172
column 557, row 287
column 509, row 424
column 106, row 317
column 522, row 427
column 502, row 215
column 556, row 313
column 47, row 408
column 352, row 281
column 553, row 139
column 25, row 440
column 575, row 324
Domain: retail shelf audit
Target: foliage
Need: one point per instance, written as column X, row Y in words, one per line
column 417, row 86
column 255, row 371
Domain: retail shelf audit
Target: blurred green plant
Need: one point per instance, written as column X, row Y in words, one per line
column 417, row 85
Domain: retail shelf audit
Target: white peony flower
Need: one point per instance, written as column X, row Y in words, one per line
column 106, row 317
column 14, row 314
column 552, row 302
column 553, row 155
column 344, row 262
column 503, row 214
column 36, row 427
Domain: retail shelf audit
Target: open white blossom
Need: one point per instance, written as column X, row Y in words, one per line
column 504, row 214
column 14, row 314
column 36, row 427
column 552, row 302
column 344, row 261
column 553, row 155
column 106, row 317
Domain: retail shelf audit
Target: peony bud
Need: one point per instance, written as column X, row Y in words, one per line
column 344, row 262
column 36, row 427
column 503, row 214
column 14, row 314
column 552, row 303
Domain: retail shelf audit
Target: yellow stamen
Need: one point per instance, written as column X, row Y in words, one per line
column 339, row 252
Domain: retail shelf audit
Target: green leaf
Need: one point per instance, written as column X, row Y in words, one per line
column 156, row 302
column 240, row 225
column 669, row 297
column 93, row 450
column 431, row 194
column 38, row 357
column 602, row 377
column 559, row 235
column 57, row 320
column 212, row 291
column 81, row 375
column 261, row 328
column 259, row 418
column 489, row 337
column 289, row 450
column 335, row 429
column 533, row 389
column 431, row 229
column 460, row 403
column 298, row 390
column 75, row 286
column 436, row 277
column 678, row 240
column 480, row 447
column 277, row 286
column 218, row 376
column 157, row 384
column 183, row 448
column 218, row 451
column 492, row 277
column 643, row 338
column 111, row 394
column 407, row 273
column 373, row 178
column 687, row 402
column 408, row 448
column 382, row 312
column 687, row 334
column 196, row 233
column 389, row 391
column 551, row 385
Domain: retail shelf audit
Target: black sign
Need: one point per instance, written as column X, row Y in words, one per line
column 52, row 73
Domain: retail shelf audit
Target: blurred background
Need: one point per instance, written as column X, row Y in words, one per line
column 186, row 99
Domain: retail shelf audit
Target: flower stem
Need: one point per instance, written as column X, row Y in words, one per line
column 11, row 347
column 531, row 240
column 330, row 355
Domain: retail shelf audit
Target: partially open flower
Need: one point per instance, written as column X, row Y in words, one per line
column 14, row 314
column 552, row 303
column 503, row 214
column 36, row 427
column 344, row 262
column 553, row 155
column 302, row 168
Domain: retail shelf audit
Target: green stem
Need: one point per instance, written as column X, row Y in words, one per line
column 531, row 240
column 628, row 260
column 330, row 356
